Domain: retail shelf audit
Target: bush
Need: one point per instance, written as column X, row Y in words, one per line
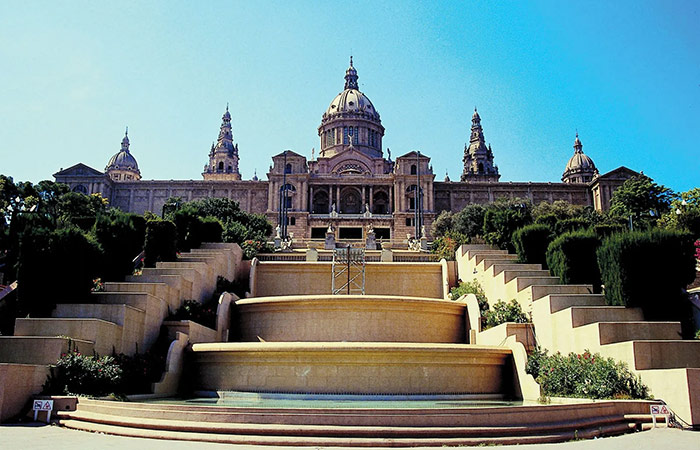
column 160, row 243
column 573, row 224
column 196, row 312
column 649, row 269
column 505, row 312
column 586, row 376
column 572, row 258
column 604, row 230
column 75, row 373
column 531, row 243
column 472, row 287
column 446, row 246
column 470, row 221
column 443, row 224
column 121, row 236
column 55, row 267
column 210, row 230
column 252, row 247
column 502, row 218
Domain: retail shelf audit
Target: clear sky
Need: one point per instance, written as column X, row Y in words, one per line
column 626, row 74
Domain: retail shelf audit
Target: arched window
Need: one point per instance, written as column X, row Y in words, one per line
column 81, row 189
column 481, row 167
column 414, row 169
column 230, row 169
column 221, row 166
column 288, row 168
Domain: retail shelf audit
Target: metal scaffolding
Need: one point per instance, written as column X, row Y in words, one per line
column 348, row 271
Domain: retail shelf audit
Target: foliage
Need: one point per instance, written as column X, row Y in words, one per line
column 80, row 210
column 210, row 229
column 649, row 269
column 502, row 218
column 503, row 312
column 160, row 242
column 573, row 224
column 603, row 230
column 572, row 258
column 470, row 221
column 121, row 236
column 75, row 373
column 196, row 312
column 585, row 375
column 684, row 213
column 637, row 198
column 252, row 247
column 531, row 243
column 472, row 287
column 238, row 287
column 443, row 223
column 55, row 267
column 446, row 246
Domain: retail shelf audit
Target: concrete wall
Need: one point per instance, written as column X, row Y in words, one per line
column 302, row 278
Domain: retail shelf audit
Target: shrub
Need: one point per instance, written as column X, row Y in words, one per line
column 75, row 373
column 572, row 258
column 573, row 224
column 505, row 312
column 502, row 218
column 531, row 243
column 443, row 224
column 470, row 221
column 160, row 243
column 210, row 229
column 196, row 312
column 252, row 247
column 121, row 236
column 446, row 246
column 472, row 287
column 585, row 375
column 649, row 269
column 603, row 230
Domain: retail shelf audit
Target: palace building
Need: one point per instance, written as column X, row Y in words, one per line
column 351, row 184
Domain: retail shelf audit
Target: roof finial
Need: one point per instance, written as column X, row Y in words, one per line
column 350, row 60
column 126, row 133
column 226, row 106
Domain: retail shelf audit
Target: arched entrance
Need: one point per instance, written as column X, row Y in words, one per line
column 350, row 201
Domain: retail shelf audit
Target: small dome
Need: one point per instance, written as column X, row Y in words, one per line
column 122, row 160
column 351, row 101
column 476, row 115
column 580, row 162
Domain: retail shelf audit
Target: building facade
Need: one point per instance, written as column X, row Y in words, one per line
column 351, row 184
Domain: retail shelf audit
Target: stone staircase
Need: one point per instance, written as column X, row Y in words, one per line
column 351, row 427
column 570, row 318
column 125, row 318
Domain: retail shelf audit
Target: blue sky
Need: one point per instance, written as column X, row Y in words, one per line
column 625, row 74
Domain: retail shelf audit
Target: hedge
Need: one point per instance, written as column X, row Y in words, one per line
column 648, row 269
column 531, row 243
column 160, row 243
column 121, row 236
column 572, row 258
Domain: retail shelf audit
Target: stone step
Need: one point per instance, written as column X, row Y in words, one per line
column 160, row 289
column 537, row 291
column 655, row 354
column 193, row 276
column 470, row 254
column 509, row 275
column 611, row 332
column 178, row 284
column 495, row 269
column 319, row 433
column 347, row 441
column 557, row 302
column 489, row 260
column 524, row 282
column 39, row 349
column 583, row 315
column 106, row 336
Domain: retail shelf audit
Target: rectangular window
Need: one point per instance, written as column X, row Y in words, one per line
column 410, row 221
column 289, row 202
column 345, row 135
column 356, row 136
column 318, row 232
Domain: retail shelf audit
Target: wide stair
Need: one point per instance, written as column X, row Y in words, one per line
column 125, row 318
column 571, row 318
column 349, row 427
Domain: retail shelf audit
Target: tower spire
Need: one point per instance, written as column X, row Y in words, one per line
column 125, row 141
column 351, row 77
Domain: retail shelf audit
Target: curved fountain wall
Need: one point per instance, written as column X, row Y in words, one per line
column 360, row 318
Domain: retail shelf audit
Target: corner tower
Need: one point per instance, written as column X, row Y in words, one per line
column 478, row 158
column 351, row 120
column 223, row 157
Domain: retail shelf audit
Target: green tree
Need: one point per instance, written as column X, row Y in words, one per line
column 502, row 218
column 642, row 200
column 684, row 213
column 470, row 220
column 443, row 223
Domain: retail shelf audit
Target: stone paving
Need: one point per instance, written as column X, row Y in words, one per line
column 49, row 437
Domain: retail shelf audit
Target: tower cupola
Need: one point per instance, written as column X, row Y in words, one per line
column 123, row 166
column 223, row 156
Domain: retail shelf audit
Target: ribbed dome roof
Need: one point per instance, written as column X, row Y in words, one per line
column 122, row 160
column 580, row 161
column 351, row 101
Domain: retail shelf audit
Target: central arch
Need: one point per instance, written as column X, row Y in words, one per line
column 350, row 200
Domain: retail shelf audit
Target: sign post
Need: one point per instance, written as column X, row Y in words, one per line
column 43, row 405
column 659, row 410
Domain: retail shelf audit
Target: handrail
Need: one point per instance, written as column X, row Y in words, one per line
column 8, row 289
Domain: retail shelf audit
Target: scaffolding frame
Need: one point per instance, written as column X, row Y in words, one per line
column 348, row 271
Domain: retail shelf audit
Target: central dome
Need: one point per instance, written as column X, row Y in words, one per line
column 351, row 121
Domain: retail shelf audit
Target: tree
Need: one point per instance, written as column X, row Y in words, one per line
column 642, row 200
column 470, row 220
column 443, row 223
column 684, row 213
column 502, row 218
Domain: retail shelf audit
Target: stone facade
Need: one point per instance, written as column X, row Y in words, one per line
column 350, row 185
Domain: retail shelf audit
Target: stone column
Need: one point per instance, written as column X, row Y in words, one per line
column 371, row 200
column 311, row 198
column 363, row 196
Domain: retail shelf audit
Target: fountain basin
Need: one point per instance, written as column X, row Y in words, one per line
column 352, row 368
column 360, row 318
